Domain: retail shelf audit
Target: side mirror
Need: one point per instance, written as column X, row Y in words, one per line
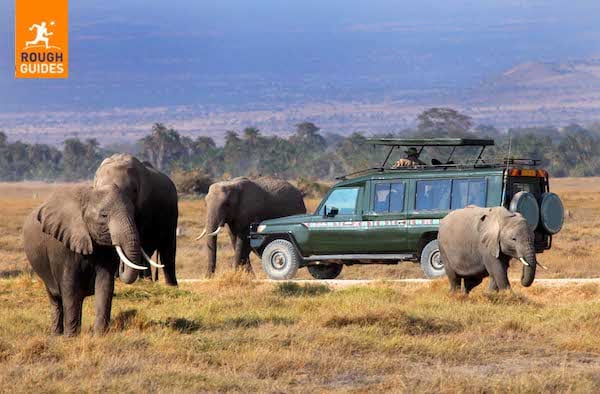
column 333, row 212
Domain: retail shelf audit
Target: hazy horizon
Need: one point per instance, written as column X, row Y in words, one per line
column 200, row 58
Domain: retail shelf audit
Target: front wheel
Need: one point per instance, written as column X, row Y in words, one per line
column 431, row 261
column 325, row 271
column 280, row 260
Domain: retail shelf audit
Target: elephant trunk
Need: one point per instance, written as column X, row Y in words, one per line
column 126, row 239
column 213, row 225
column 529, row 270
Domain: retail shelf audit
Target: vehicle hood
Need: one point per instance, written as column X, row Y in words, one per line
column 294, row 219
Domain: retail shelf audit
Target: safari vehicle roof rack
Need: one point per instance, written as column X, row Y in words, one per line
column 521, row 161
column 395, row 143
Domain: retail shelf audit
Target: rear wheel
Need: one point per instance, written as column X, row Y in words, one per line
column 431, row 261
column 325, row 271
column 280, row 260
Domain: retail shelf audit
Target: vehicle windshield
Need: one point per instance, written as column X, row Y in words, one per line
column 344, row 199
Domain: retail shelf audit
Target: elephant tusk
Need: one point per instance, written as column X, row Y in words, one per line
column 214, row 233
column 201, row 235
column 524, row 262
column 126, row 261
column 150, row 261
column 541, row 265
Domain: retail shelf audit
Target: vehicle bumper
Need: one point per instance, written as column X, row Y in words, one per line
column 257, row 242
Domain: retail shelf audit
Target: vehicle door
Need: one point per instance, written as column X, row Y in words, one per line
column 431, row 202
column 338, row 227
column 386, row 216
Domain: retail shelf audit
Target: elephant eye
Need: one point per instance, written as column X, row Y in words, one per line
column 103, row 215
column 514, row 239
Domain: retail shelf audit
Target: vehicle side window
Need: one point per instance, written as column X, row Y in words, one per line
column 344, row 199
column 468, row 192
column 433, row 194
column 389, row 197
column 397, row 197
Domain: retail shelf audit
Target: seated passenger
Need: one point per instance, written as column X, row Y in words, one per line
column 411, row 160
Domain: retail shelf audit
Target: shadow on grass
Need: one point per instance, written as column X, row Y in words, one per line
column 181, row 325
column 13, row 273
column 253, row 320
column 399, row 320
column 291, row 289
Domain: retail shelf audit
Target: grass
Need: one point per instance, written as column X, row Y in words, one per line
column 235, row 334
column 574, row 251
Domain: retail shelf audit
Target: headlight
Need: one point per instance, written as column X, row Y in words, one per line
column 261, row 228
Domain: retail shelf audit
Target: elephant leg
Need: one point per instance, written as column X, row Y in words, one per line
column 472, row 282
column 72, row 306
column 103, row 289
column 498, row 271
column 454, row 280
column 57, row 326
column 492, row 286
column 242, row 253
column 167, row 252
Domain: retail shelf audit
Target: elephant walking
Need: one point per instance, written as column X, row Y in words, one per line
column 154, row 199
column 74, row 242
column 239, row 203
column 479, row 242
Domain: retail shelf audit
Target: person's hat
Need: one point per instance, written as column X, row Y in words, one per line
column 411, row 151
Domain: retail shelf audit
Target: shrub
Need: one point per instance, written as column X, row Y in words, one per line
column 311, row 188
column 191, row 182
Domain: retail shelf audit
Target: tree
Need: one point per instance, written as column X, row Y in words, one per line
column 80, row 159
column 448, row 122
column 163, row 147
column 308, row 139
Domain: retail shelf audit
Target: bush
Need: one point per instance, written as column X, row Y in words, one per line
column 191, row 182
column 311, row 189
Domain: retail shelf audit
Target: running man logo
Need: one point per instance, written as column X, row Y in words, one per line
column 41, row 39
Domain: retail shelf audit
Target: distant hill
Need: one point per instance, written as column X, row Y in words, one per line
column 578, row 74
column 524, row 95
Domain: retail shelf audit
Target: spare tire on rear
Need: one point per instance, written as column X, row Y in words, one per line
column 551, row 213
column 526, row 204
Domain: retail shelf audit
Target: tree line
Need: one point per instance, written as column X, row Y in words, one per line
column 573, row 150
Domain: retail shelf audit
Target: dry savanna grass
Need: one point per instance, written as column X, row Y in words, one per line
column 235, row 334
column 574, row 254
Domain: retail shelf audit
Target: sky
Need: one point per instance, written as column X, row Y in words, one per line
column 253, row 54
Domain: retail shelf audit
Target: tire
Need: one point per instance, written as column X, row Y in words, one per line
column 280, row 261
column 431, row 261
column 325, row 271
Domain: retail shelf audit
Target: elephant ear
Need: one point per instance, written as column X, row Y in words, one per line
column 489, row 230
column 61, row 217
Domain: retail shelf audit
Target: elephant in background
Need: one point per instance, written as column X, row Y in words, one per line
column 240, row 202
column 74, row 242
column 479, row 242
column 154, row 199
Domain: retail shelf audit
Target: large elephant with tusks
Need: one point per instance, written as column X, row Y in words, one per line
column 154, row 199
column 74, row 242
column 240, row 202
column 479, row 242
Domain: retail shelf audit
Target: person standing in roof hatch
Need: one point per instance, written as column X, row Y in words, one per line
column 412, row 159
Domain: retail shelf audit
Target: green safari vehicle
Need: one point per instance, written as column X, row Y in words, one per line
column 388, row 215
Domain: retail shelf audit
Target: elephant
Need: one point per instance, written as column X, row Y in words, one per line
column 241, row 202
column 73, row 242
column 478, row 242
column 154, row 198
